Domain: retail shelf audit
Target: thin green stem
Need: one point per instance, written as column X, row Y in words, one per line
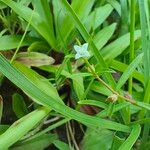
column 132, row 28
column 14, row 56
column 106, row 85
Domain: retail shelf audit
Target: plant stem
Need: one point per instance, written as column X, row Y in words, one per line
column 106, row 85
column 132, row 28
column 20, row 43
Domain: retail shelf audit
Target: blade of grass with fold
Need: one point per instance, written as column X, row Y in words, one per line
column 41, row 97
column 87, row 38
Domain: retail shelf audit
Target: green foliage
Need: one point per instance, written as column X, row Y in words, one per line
column 101, row 102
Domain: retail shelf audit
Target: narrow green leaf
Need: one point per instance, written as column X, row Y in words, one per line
column 93, row 103
column 61, row 145
column 127, row 145
column 116, row 5
column 128, row 72
column 102, row 37
column 78, row 86
column 119, row 66
column 97, row 139
column 144, row 105
column 116, row 108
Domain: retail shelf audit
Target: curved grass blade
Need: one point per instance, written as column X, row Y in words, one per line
column 117, row 65
column 128, row 72
column 127, row 145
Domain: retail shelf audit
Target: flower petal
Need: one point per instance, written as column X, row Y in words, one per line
column 86, row 54
column 85, row 46
column 77, row 48
column 77, row 56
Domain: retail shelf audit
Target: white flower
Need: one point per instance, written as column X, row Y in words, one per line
column 81, row 51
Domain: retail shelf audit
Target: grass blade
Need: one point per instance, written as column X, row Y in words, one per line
column 93, row 103
column 128, row 72
column 127, row 145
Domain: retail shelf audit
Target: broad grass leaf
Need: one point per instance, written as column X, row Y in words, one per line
column 78, row 86
column 61, row 145
column 117, row 142
column 38, row 80
column 102, row 37
column 116, row 5
column 116, row 108
column 99, row 88
column 144, row 105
